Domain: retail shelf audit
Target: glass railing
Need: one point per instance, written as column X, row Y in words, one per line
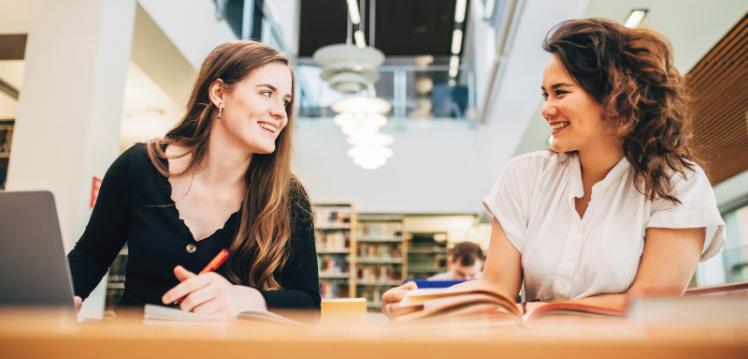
column 414, row 92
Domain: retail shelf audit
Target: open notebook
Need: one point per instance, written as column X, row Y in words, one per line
column 487, row 304
column 161, row 313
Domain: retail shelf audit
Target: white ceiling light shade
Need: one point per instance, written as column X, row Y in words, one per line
column 369, row 163
column 635, row 18
column 359, row 104
column 348, row 82
column 349, row 69
column 359, row 37
column 359, row 130
column 370, row 157
column 360, row 119
column 370, row 152
column 371, row 139
column 355, row 119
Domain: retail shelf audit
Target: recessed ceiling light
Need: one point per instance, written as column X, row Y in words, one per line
column 460, row 8
column 635, row 18
column 353, row 12
column 456, row 41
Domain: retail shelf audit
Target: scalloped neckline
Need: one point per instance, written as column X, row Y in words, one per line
column 185, row 228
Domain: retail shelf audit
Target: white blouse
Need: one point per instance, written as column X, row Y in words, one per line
column 565, row 257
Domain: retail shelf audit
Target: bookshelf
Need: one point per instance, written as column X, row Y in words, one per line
column 115, row 284
column 380, row 254
column 6, row 137
column 335, row 239
column 426, row 253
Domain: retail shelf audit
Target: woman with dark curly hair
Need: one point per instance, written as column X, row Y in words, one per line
column 618, row 206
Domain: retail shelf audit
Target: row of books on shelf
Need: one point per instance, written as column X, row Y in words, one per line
column 333, row 290
column 373, row 296
column 379, row 274
column 332, row 241
column 380, row 229
column 379, row 250
column 117, row 269
column 332, row 216
column 332, row 265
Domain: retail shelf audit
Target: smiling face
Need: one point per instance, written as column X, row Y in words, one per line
column 254, row 112
column 575, row 118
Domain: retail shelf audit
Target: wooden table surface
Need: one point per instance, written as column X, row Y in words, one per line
column 51, row 334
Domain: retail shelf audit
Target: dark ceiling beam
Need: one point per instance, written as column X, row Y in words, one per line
column 8, row 89
column 12, row 46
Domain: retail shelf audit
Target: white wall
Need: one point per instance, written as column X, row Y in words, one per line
column 69, row 108
column 191, row 25
column 428, row 172
column 286, row 14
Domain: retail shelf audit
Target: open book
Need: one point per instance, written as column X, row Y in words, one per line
column 160, row 313
column 484, row 303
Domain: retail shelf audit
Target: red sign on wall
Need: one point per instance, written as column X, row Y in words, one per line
column 95, row 185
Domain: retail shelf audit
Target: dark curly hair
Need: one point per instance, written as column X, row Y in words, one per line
column 631, row 73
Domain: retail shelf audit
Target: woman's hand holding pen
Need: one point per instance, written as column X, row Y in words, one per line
column 212, row 294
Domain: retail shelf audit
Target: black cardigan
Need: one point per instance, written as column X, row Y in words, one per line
column 134, row 205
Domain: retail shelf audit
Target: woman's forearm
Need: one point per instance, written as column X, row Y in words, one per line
column 604, row 300
column 495, row 285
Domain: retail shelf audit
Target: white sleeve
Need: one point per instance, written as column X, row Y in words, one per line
column 509, row 199
column 698, row 208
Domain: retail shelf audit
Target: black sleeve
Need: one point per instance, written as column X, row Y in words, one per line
column 107, row 229
column 299, row 277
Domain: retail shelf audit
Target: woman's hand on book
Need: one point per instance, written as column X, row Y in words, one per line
column 212, row 294
column 392, row 297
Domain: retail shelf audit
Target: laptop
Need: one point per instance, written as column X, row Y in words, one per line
column 34, row 270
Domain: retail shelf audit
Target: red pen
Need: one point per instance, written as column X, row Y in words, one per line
column 216, row 262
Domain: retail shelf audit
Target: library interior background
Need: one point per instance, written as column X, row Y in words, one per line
column 450, row 88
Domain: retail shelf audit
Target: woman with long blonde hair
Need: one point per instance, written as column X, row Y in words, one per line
column 220, row 179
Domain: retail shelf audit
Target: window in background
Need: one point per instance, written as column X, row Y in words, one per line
column 735, row 252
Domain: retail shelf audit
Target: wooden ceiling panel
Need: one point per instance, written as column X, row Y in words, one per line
column 719, row 86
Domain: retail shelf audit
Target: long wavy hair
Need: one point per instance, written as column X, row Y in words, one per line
column 259, row 248
column 631, row 73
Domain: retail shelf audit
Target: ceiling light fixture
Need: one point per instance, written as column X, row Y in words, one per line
column 359, row 37
column 460, row 8
column 350, row 70
column 454, row 63
column 353, row 12
column 635, row 18
column 456, row 41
